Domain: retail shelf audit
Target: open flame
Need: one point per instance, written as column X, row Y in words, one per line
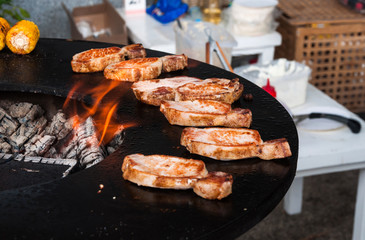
column 101, row 108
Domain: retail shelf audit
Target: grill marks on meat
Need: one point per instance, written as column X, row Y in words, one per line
column 187, row 88
column 95, row 60
column 134, row 70
column 162, row 171
column 205, row 113
column 232, row 144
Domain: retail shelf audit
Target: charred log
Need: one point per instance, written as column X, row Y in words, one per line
column 88, row 150
column 60, row 126
column 4, row 146
column 8, row 125
column 26, row 131
column 39, row 145
column 116, row 141
column 25, row 112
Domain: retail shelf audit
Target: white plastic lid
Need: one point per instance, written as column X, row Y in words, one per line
column 256, row 3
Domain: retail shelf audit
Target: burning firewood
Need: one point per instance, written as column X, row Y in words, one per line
column 60, row 126
column 25, row 112
column 116, row 141
column 88, row 149
column 39, row 145
column 26, row 131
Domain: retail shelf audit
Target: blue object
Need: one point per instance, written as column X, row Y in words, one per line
column 166, row 11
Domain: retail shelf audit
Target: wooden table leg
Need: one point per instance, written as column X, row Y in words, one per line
column 294, row 196
column 359, row 221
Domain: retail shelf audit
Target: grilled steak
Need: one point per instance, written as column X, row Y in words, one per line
column 205, row 113
column 134, row 69
column 232, row 144
column 154, row 91
column 219, row 89
column 95, row 60
column 162, row 171
column 216, row 185
column 144, row 68
column 171, row 63
column 134, row 51
column 187, row 88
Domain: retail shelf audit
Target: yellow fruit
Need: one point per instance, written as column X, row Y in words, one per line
column 22, row 37
column 4, row 28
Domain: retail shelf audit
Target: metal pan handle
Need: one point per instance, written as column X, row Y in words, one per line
column 353, row 124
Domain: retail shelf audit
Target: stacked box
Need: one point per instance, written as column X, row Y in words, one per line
column 99, row 22
column 330, row 39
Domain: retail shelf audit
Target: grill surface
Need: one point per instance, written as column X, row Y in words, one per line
column 78, row 207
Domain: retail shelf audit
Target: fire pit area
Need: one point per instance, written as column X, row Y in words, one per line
column 39, row 140
column 63, row 138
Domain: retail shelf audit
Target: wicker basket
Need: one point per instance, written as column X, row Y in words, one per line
column 330, row 39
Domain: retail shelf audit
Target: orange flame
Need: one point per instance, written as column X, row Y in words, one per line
column 102, row 109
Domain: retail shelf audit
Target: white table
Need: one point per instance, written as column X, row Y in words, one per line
column 142, row 28
column 328, row 152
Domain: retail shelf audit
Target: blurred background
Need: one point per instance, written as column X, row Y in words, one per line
column 44, row 12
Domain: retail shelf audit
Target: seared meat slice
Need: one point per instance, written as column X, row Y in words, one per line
column 134, row 70
column 216, row 185
column 187, row 88
column 205, row 113
column 232, row 144
column 219, row 89
column 144, row 68
column 95, row 60
column 134, row 51
column 162, row 171
column 154, row 91
column 171, row 63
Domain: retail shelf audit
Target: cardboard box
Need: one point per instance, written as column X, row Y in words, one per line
column 100, row 23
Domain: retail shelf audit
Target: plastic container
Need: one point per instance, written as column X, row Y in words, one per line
column 191, row 40
column 252, row 17
column 290, row 79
